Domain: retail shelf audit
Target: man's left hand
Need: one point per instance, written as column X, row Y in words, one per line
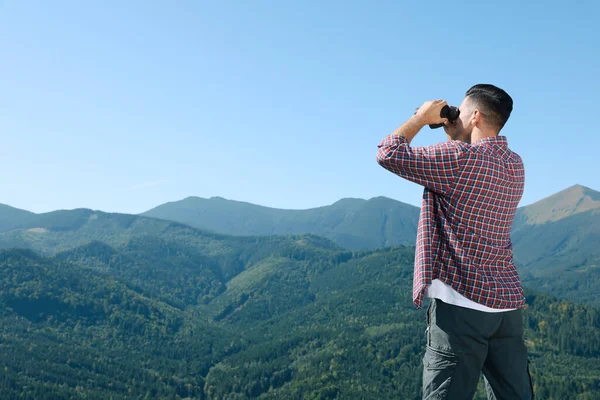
column 429, row 112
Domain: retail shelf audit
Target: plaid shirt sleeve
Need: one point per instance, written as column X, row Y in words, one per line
column 434, row 167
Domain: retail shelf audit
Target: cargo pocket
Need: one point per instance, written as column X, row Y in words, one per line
column 438, row 369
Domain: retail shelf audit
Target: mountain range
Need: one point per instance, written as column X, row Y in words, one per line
column 556, row 240
column 117, row 306
column 352, row 223
column 101, row 305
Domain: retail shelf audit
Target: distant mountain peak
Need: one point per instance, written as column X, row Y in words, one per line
column 570, row 201
column 578, row 189
column 349, row 201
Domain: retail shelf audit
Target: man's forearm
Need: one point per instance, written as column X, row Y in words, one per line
column 410, row 128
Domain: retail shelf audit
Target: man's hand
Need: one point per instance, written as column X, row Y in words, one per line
column 450, row 129
column 429, row 112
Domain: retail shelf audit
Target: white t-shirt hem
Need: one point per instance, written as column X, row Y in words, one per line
column 444, row 292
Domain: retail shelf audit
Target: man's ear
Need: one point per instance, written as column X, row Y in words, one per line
column 475, row 117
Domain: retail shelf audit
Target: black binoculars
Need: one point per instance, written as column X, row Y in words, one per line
column 449, row 112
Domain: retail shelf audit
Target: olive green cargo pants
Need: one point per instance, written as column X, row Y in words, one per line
column 462, row 342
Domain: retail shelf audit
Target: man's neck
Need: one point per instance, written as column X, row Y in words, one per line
column 479, row 134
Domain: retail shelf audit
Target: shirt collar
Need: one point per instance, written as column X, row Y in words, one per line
column 498, row 140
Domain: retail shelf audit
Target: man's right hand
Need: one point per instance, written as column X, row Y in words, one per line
column 450, row 129
column 429, row 112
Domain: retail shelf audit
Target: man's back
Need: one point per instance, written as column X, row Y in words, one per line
column 469, row 203
column 488, row 190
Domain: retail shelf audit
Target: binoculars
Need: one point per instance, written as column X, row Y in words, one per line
column 449, row 112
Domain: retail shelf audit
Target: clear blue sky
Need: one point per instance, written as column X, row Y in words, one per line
column 124, row 105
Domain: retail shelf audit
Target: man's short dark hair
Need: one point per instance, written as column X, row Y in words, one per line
column 494, row 103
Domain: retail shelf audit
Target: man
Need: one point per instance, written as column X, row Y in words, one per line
column 463, row 260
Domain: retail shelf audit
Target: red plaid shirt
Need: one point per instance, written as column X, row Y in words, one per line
column 469, row 204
